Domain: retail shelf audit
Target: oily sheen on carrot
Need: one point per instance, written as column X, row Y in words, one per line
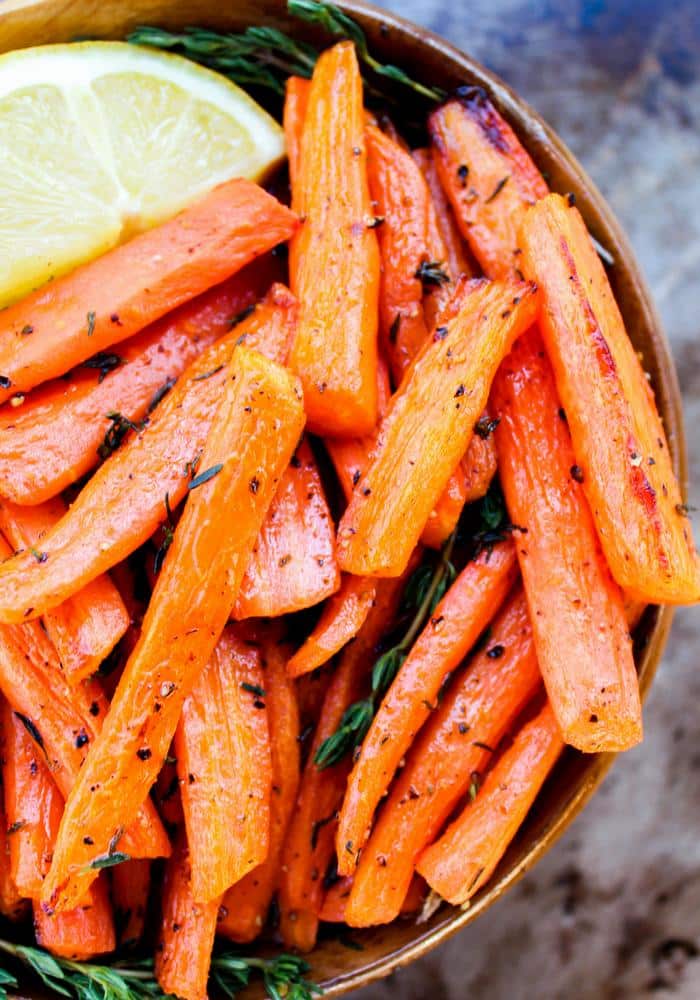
column 451, row 753
column 244, row 907
column 296, row 98
column 131, row 885
column 578, row 617
column 334, row 258
column 88, row 625
column 252, row 438
column 107, row 300
column 428, row 427
column 222, row 747
column 465, row 857
column 617, row 433
column 124, row 502
column 82, row 933
column 456, row 624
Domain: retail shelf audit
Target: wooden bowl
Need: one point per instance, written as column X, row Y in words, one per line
column 433, row 61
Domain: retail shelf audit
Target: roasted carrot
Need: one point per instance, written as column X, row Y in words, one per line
column 296, row 99
column 131, row 885
column 125, row 500
column 293, row 565
column 341, row 619
column 86, row 627
column 449, row 756
column 578, row 617
column 222, row 747
column 428, row 427
column 441, row 217
column 469, row 481
column 183, row 953
column 335, row 900
column 245, row 905
column 12, row 905
column 335, row 349
column 59, row 432
column 251, row 440
column 107, row 300
column 618, row 437
column 82, row 933
column 456, row 624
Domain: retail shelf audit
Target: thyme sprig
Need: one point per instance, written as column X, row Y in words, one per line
column 425, row 589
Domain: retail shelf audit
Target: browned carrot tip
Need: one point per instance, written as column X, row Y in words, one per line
column 82, row 933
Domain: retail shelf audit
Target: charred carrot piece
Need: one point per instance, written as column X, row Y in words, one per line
column 578, row 617
column 335, row 349
column 82, row 933
column 458, row 621
column 293, row 565
column 86, row 627
column 341, row 619
column 245, row 905
column 131, row 885
column 627, row 468
column 447, row 760
column 107, row 300
column 183, row 953
column 296, row 99
column 252, row 438
column 125, row 501
column 222, row 747
column 428, row 427
column 442, row 219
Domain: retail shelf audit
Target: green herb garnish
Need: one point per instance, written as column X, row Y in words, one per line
column 205, row 476
column 91, row 317
column 116, row 432
column 432, row 274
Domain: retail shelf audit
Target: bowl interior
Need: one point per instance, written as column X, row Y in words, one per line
column 344, row 961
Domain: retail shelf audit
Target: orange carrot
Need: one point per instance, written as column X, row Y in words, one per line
column 469, row 481
column 456, row 624
column 183, row 953
column 82, row 933
column 465, row 857
column 107, row 300
column 578, row 618
column 341, row 619
column 86, row 627
column 335, row 349
column 12, row 905
column 245, row 905
column 293, row 564
column 448, row 757
column 442, row 218
column 296, row 99
column 252, row 438
column 125, row 500
column 616, row 430
column 428, row 427
column 223, row 761
column 131, row 884
column 334, row 902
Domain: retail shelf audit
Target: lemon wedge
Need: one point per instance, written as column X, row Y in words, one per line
column 101, row 140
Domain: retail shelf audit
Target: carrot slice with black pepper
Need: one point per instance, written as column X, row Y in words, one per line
column 458, row 260
column 82, row 933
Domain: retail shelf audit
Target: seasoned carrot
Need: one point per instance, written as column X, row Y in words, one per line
column 12, row 905
column 456, row 624
column 441, row 217
column 222, row 747
column 465, row 857
column 125, row 500
column 341, row 619
column 469, row 481
column 183, row 953
column 251, row 440
column 82, row 933
column 86, row 627
column 334, row 257
column 428, row 427
column 449, row 756
column 296, row 99
column 56, row 435
column 616, row 430
column 335, row 900
column 480, row 464
column 245, row 905
column 293, row 565
column 107, row 300
column 131, row 885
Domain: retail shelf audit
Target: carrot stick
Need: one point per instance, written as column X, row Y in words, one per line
column 448, row 757
column 124, row 502
column 465, row 857
column 245, row 905
column 296, row 99
column 458, row 260
column 456, row 624
column 82, row 933
column 109, row 299
column 428, row 428
column 12, row 905
column 183, row 953
column 616, row 430
column 56, row 435
column 469, row 481
column 578, row 617
column 223, row 761
column 86, row 627
column 293, row 565
column 341, row 619
column 335, row 900
column 131, row 885
column 252, row 438
column 335, row 350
